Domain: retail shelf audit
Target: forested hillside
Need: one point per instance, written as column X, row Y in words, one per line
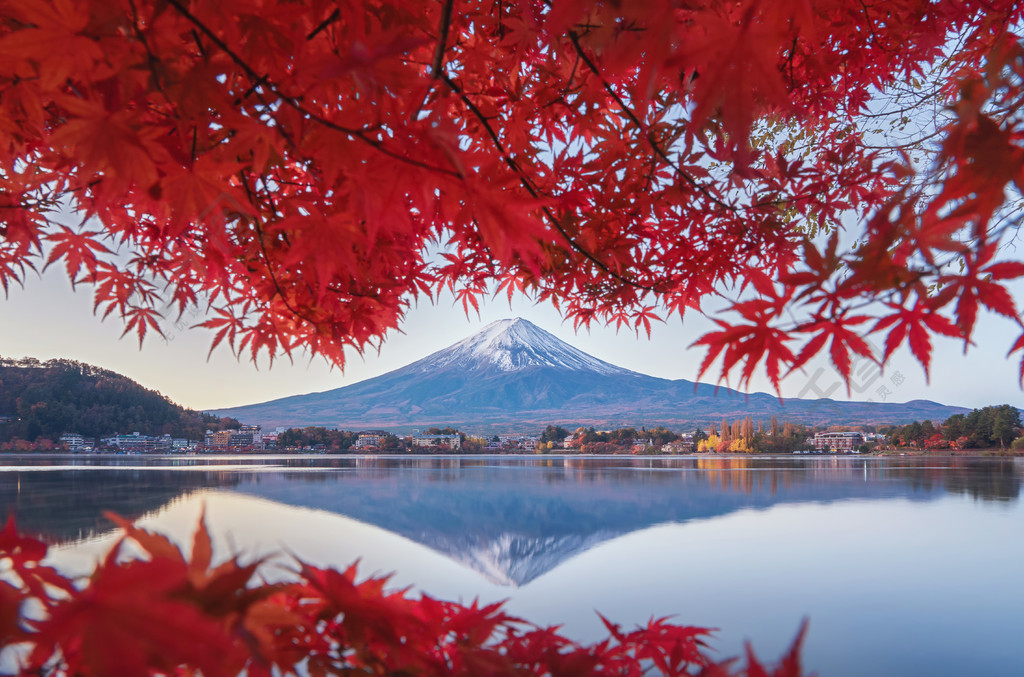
column 46, row 399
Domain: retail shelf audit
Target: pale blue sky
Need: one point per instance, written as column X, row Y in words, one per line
column 47, row 320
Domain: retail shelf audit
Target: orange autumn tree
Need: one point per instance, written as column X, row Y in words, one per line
column 302, row 170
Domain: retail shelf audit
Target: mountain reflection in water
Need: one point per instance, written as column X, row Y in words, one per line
column 510, row 518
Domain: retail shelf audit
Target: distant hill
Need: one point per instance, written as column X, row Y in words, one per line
column 46, row 399
column 514, row 374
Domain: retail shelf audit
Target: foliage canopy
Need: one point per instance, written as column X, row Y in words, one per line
column 304, row 170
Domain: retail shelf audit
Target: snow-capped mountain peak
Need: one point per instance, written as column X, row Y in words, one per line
column 514, row 344
column 512, row 375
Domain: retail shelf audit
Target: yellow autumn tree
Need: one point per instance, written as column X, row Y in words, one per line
column 710, row 444
column 739, row 445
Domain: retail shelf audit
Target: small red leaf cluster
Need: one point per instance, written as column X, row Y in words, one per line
column 168, row 614
column 303, row 170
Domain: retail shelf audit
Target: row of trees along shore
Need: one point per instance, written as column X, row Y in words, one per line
column 744, row 436
column 993, row 427
column 327, row 439
column 986, row 428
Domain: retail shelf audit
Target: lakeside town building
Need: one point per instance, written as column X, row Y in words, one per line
column 517, row 441
column 73, row 441
column 839, row 442
column 684, row 445
column 437, row 441
column 138, row 443
column 370, row 438
column 248, row 437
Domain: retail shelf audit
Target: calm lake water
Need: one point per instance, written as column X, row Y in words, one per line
column 904, row 566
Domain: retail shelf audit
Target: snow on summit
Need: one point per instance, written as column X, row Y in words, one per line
column 513, row 344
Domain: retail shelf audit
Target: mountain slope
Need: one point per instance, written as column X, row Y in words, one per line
column 512, row 373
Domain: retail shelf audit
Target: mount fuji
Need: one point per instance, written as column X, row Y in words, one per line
column 513, row 373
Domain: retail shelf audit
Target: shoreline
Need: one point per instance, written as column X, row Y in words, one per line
column 973, row 453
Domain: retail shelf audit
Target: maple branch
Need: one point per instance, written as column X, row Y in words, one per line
column 199, row 43
column 574, row 38
column 789, row 63
column 442, row 38
column 293, row 103
column 913, row 106
column 438, row 61
column 153, row 60
column 903, row 146
column 572, row 75
column 334, row 16
column 870, row 22
column 531, row 189
column 266, row 257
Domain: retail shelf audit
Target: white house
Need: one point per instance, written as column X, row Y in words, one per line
column 428, row 440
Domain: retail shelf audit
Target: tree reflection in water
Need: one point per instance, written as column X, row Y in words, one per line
column 514, row 518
